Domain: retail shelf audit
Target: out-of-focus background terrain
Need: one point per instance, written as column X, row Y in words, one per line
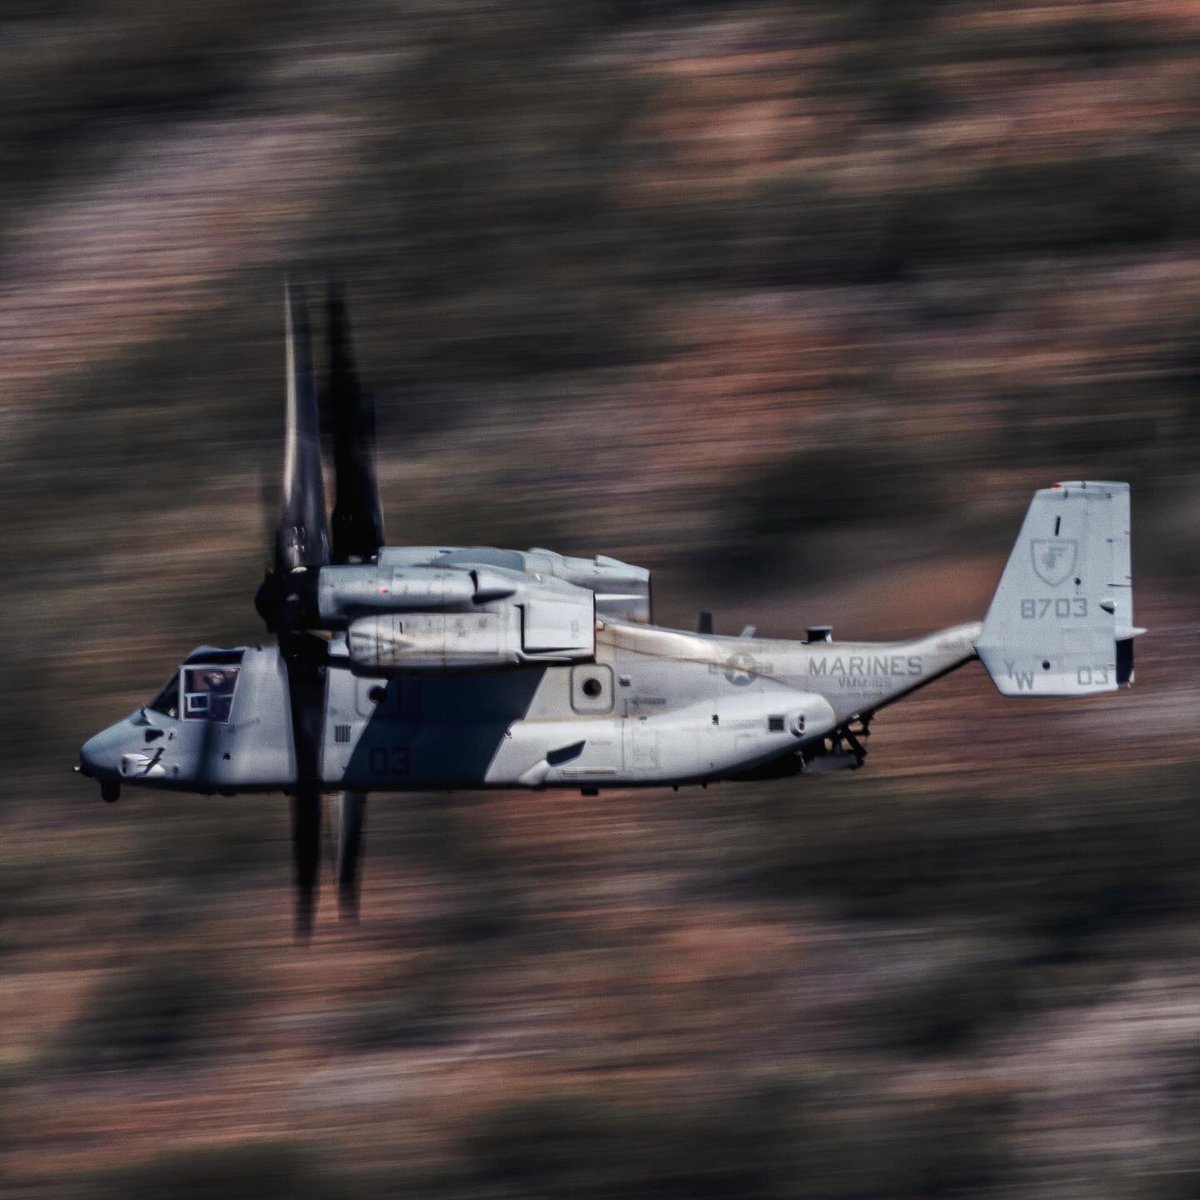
column 792, row 302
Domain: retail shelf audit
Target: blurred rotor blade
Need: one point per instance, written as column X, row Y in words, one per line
column 357, row 523
column 352, row 807
column 304, row 661
column 306, row 850
column 302, row 538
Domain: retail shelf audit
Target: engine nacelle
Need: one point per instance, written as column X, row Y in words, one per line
column 470, row 580
column 622, row 590
column 345, row 593
column 550, row 625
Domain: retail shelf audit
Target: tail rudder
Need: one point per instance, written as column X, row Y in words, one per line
column 1061, row 621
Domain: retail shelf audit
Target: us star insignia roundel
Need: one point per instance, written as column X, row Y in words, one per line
column 739, row 669
column 1054, row 559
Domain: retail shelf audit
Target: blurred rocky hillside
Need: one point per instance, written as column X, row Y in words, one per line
column 791, row 302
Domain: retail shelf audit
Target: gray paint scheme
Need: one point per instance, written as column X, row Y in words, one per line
column 644, row 705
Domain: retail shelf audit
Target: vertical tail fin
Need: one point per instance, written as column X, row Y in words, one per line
column 1061, row 621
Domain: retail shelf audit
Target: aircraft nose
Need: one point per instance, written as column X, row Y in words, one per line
column 100, row 756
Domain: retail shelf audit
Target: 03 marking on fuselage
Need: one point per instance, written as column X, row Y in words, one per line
column 388, row 760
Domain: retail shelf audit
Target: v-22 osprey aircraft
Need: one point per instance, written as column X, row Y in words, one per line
column 436, row 668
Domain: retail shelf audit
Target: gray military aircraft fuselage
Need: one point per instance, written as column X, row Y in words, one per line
column 417, row 668
column 486, row 668
column 626, row 704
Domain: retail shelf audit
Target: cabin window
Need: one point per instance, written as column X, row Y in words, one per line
column 167, row 701
column 208, row 692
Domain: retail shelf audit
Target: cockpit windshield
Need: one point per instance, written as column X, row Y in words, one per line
column 208, row 692
column 167, row 701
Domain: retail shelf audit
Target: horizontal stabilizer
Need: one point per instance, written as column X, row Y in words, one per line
column 1061, row 620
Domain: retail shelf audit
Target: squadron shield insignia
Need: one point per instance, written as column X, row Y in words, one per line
column 417, row 668
column 1054, row 560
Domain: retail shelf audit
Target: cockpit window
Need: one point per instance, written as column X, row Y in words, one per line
column 167, row 701
column 208, row 692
